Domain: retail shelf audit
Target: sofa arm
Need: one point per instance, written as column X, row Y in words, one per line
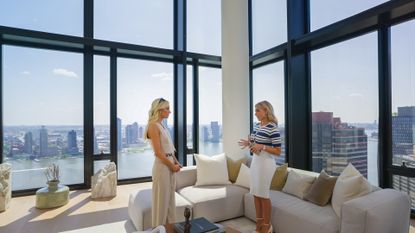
column 186, row 177
column 383, row 211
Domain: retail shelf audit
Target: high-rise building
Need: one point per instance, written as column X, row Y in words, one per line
column 72, row 143
column 214, row 125
column 336, row 144
column 119, row 139
column 205, row 134
column 43, row 141
column 141, row 132
column 28, row 143
column 131, row 133
column 403, row 132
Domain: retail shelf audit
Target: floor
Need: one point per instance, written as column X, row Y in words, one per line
column 84, row 215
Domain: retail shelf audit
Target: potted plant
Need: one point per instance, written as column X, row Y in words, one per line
column 52, row 176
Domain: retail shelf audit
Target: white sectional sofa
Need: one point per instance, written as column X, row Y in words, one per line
column 381, row 211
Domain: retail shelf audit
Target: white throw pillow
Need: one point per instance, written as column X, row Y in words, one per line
column 298, row 184
column 211, row 170
column 244, row 177
column 350, row 184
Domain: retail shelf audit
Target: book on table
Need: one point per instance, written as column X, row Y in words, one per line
column 199, row 225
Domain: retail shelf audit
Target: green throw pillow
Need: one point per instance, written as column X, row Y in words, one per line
column 233, row 168
column 279, row 177
column 321, row 190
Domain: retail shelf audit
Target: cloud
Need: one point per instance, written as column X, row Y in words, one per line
column 163, row 76
column 65, row 72
column 355, row 95
column 26, row 73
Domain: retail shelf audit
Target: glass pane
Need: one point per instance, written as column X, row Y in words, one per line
column 210, row 111
column 146, row 22
column 100, row 164
column 189, row 106
column 101, row 105
column 139, row 83
column 204, row 26
column 62, row 17
column 43, row 115
column 344, row 82
column 325, row 12
column 269, row 24
column 268, row 84
column 405, row 184
column 403, row 96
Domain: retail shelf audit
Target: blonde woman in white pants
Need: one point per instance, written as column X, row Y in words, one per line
column 165, row 164
column 265, row 143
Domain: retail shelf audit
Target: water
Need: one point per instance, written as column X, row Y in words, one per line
column 131, row 164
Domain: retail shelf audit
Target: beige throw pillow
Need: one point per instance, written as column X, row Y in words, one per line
column 349, row 185
column 244, row 177
column 211, row 170
column 279, row 177
column 233, row 167
column 298, row 184
column 322, row 189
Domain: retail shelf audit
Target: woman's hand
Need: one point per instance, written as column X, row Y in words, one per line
column 243, row 143
column 256, row 148
column 175, row 168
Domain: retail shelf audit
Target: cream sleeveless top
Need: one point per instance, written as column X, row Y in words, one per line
column 165, row 140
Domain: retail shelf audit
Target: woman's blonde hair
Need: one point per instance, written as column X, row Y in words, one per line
column 267, row 107
column 154, row 113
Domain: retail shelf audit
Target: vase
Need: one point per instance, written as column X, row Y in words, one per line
column 53, row 185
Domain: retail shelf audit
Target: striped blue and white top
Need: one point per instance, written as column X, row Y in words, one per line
column 268, row 134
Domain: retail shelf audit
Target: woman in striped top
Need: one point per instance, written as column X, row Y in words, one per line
column 265, row 143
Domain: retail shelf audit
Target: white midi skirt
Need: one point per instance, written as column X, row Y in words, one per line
column 262, row 169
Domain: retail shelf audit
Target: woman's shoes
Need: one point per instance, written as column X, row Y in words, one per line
column 270, row 230
column 259, row 222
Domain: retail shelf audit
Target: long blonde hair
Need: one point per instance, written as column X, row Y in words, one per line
column 154, row 112
column 265, row 105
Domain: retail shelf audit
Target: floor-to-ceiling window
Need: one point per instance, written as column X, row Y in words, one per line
column 403, row 104
column 344, row 87
column 210, row 111
column 268, row 84
column 138, row 84
column 42, row 115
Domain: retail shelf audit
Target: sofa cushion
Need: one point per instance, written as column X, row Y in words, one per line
column 233, row 167
column 186, row 177
column 211, row 170
column 216, row 203
column 321, row 190
column 139, row 208
column 298, row 184
column 350, row 184
column 292, row 215
column 279, row 178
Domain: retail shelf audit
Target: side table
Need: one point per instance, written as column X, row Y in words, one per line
column 52, row 197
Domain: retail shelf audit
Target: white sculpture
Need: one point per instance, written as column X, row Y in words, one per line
column 5, row 187
column 104, row 182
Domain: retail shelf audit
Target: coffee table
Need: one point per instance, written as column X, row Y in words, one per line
column 170, row 229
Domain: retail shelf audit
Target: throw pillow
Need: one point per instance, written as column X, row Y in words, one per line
column 349, row 185
column 321, row 190
column 233, row 167
column 211, row 170
column 279, row 178
column 298, row 184
column 244, row 177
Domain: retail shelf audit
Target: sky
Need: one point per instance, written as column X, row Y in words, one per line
column 45, row 87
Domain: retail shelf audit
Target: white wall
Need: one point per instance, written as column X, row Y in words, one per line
column 235, row 75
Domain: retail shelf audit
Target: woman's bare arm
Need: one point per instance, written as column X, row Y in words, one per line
column 154, row 134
